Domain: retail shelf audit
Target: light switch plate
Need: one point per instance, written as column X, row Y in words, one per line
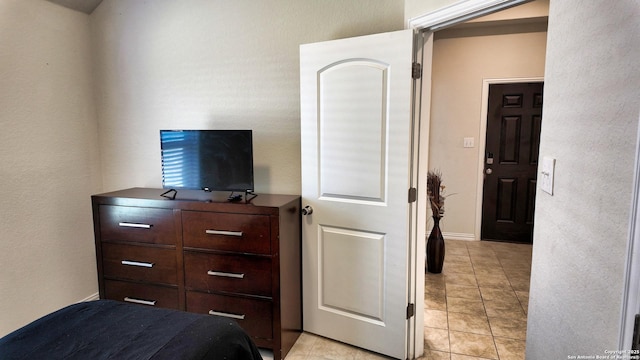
column 547, row 174
column 468, row 142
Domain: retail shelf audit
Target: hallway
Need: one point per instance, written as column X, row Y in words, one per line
column 477, row 307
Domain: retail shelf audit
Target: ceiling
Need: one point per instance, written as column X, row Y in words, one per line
column 85, row 6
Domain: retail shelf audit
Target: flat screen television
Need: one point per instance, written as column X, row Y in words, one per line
column 210, row 160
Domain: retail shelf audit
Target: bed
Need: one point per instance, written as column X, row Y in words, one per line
column 107, row 329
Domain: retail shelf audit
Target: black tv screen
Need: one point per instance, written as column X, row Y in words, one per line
column 210, row 160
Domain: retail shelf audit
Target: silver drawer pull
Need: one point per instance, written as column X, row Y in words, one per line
column 137, row 263
column 233, row 316
column 139, row 301
column 223, row 232
column 225, row 274
column 134, row 225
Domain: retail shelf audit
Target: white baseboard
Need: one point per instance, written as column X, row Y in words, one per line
column 459, row 236
column 91, row 297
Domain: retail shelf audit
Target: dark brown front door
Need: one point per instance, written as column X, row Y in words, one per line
column 511, row 161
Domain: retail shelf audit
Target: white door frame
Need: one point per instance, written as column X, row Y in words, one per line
column 427, row 24
column 423, row 52
column 482, row 141
column 459, row 12
column 631, row 295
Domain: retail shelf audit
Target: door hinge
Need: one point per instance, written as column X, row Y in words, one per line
column 413, row 195
column 635, row 342
column 416, row 71
column 411, row 310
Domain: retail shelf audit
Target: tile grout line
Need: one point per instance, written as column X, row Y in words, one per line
column 493, row 338
column 446, row 308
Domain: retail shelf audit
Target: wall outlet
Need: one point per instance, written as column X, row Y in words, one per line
column 546, row 174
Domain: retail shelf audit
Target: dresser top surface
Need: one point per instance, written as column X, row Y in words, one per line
column 192, row 200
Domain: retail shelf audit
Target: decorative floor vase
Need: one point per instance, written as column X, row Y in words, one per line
column 435, row 249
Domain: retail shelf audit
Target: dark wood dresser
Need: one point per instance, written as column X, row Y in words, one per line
column 204, row 254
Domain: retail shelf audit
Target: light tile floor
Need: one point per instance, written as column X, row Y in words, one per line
column 475, row 309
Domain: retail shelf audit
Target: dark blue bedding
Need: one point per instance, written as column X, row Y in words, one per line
column 108, row 329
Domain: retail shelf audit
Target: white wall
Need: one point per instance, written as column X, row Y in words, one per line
column 48, row 161
column 462, row 59
column 212, row 64
column 590, row 120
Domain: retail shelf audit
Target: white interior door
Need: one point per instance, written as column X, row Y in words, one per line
column 356, row 168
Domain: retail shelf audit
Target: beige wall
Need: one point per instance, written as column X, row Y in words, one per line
column 48, row 152
column 149, row 65
column 212, row 64
column 590, row 123
column 157, row 65
column 462, row 60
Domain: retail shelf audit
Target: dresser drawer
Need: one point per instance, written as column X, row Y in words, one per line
column 255, row 316
column 137, row 224
column 229, row 273
column 141, row 263
column 150, row 295
column 227, row 232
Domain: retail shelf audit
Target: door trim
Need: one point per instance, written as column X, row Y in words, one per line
column 416, row 257
column 482, row 140
column 428, row 23
column 631, row 294
column 459, row 12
